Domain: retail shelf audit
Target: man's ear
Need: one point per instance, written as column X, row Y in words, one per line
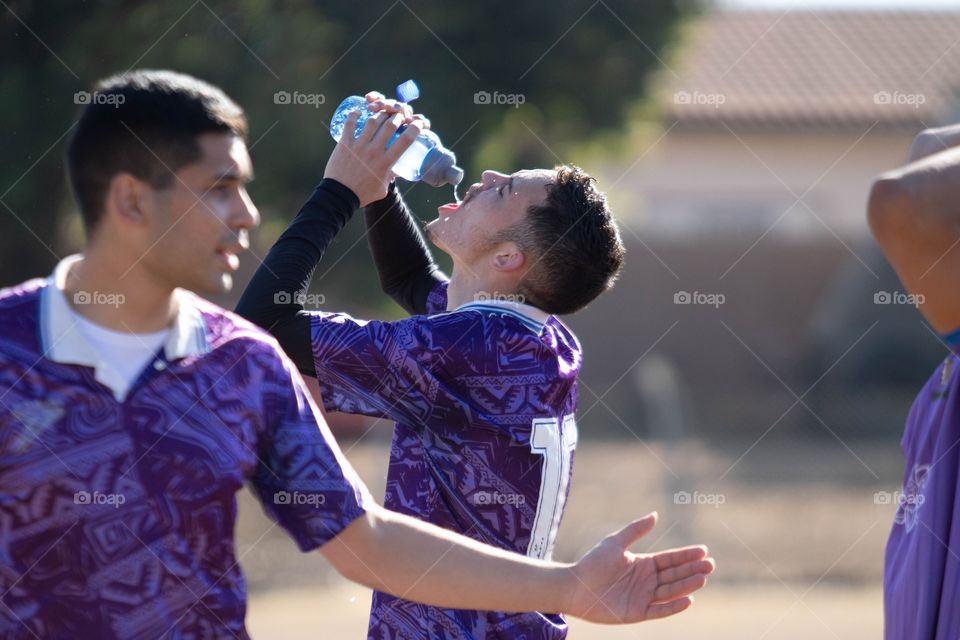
column 508, row 257
column 127, row 198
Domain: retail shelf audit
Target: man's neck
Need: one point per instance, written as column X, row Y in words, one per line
column 467, row 286
column 120, row 294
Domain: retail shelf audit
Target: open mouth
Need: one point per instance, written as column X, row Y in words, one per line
column 230, row 259
column 450, row 207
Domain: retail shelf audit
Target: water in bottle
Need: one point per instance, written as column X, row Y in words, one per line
column 426, row 160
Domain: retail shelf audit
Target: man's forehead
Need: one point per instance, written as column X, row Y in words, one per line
column 538, row 175
column 532, row 182
column 225, row 155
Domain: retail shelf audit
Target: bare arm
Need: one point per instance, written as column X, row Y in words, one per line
column 419, row 561
column 914, row 213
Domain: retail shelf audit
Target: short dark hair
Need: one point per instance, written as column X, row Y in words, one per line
column 573, row 244
column 145, row 123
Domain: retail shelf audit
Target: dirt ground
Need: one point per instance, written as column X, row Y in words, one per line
column 798, row 530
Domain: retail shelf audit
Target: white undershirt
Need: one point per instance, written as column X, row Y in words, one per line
column 124, row 355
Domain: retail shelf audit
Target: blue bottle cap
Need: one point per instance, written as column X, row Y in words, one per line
column 408, row 91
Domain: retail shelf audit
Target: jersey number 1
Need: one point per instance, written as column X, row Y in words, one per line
column 556, row 447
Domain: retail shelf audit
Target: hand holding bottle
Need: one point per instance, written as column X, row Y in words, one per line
column 364, row 164
column 426, row 159
column 376, row 101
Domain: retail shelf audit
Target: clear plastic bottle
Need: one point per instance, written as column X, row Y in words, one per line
column 426, row 160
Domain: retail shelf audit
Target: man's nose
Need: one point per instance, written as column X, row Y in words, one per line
column 490, row 177
column 246, row 216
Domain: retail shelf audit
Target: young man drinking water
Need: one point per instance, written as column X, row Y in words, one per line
column 482, row 381
column 132, row 411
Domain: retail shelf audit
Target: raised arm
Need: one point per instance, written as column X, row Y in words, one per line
column 357, row 173
column 406, row 267
column 914, row 213
column 273, row 298
column 404, row 263
column 418, row 561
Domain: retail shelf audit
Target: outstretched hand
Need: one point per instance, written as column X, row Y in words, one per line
column 614, row 586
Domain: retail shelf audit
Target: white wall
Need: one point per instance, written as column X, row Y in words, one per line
column 701, row 183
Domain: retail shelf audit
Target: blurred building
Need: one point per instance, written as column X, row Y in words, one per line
column 765, row 107
column 773, row 126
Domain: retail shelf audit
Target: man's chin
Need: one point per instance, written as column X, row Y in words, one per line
column 435, row 238
column 217, row 285
column 431, row 232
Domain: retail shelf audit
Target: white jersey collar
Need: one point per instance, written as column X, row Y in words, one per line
column 64, row 342
column 532, row 317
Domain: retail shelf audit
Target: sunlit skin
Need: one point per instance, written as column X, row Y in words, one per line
column 150, row 241
column 469, row 232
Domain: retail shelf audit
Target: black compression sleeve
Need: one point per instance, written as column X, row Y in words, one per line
column 406, row 267
column 271, row 298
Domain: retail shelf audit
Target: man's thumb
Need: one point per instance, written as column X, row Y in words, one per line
column 635, row 530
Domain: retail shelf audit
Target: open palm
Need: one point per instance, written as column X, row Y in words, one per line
column 615, row 586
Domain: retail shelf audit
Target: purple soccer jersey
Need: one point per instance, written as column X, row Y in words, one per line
column 484, row 399
column 117, row 516
column 922, row 564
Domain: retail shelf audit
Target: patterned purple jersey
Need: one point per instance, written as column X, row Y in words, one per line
column 922, row 565
column 117, row 516
column 484, row 400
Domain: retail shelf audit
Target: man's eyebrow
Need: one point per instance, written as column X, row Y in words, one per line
column 234, row 176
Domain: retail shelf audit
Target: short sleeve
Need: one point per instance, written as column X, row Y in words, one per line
column 302, row 479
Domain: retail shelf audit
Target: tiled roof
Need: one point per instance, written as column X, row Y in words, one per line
column 809, row 68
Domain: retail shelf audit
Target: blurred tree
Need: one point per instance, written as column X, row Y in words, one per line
column 575, row 66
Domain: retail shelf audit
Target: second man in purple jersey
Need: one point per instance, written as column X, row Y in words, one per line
column 481, row 380
column 914, row 212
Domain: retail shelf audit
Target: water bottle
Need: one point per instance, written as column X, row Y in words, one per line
column 425, row 160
